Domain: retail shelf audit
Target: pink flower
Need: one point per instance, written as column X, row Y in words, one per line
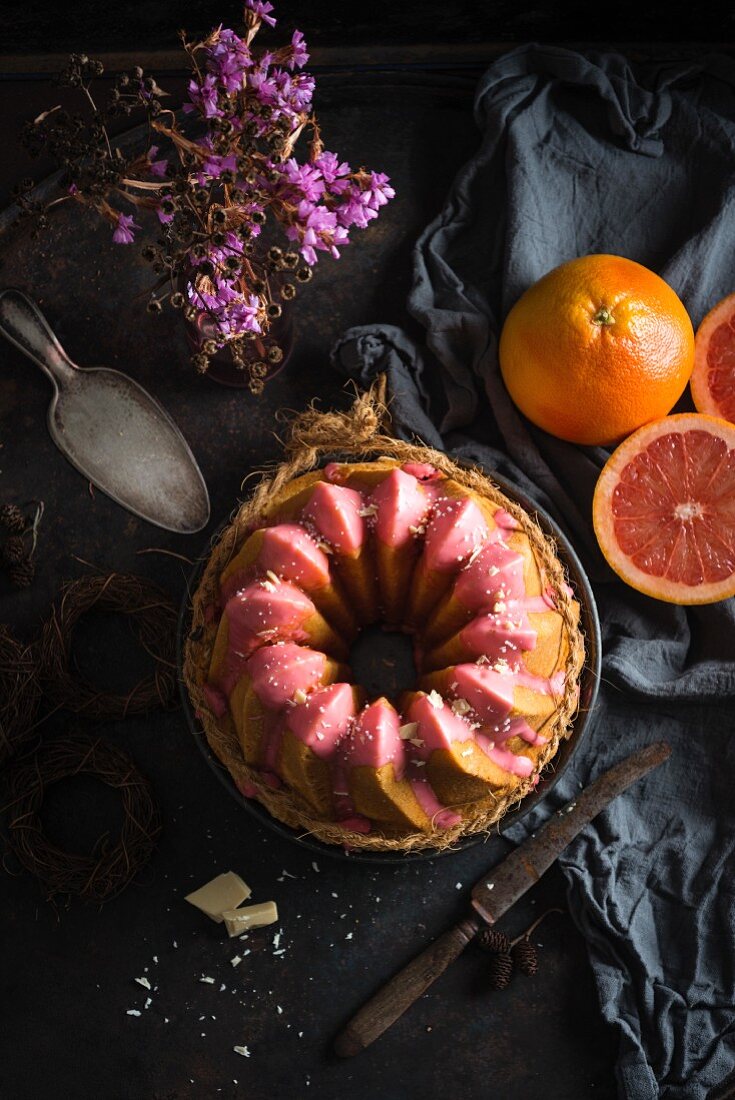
column 261, row 10
column 299, row 55
column 330, row 167
column 204, row 96
column 379, row 190
column 214, row 166
column 156, row 167
column 163, row 217
column 228, row 60
column 124, row 231
column 305, row 179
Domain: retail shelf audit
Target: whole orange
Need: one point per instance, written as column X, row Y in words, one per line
column 597, row 348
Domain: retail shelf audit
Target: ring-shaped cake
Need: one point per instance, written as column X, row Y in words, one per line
column 420, row 545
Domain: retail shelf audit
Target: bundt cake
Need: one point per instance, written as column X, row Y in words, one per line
column 446, row 559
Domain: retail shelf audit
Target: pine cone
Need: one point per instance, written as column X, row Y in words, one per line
column 22, row 574
column 525, row 957
column 12, row 518
column 490, row 939
column 14, row 550
column 500, row 971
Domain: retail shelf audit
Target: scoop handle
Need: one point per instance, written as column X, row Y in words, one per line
column 22, row 322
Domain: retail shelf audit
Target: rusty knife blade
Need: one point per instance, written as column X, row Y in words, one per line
column 494, row 894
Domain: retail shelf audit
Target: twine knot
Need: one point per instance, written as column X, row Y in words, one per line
column 315, row 433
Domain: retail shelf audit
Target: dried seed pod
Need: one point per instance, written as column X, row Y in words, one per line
column 490, row 939
column 14, row 550
column 22, row 573
column 500, row 971
column 12, row 518
column 525, row 957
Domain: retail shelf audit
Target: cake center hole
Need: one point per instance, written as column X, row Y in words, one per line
column 382, row 662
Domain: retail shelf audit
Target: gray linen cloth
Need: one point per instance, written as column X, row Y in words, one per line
column 582, row 154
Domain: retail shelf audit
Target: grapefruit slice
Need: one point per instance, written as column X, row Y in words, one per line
column 713, row 378
column 664, row 509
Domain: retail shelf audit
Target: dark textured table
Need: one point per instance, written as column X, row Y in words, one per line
column 67, row 978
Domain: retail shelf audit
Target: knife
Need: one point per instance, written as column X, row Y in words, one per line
column 492, row 896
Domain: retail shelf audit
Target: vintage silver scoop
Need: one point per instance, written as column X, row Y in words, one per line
column 111, row 429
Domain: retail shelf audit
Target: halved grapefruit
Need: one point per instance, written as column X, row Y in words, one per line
column 664, row 509
column 713, row 378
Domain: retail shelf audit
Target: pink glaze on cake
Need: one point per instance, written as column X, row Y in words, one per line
column 455, row 530
column 271, row 735
column 278, row 671
column 496, row 636
column 436, row 811
column 440, row 727
column 523, row 678
column 334, row 511
column 506, row 520
column 215, row 700
column 261, row 613
column 422, row 471
column 289, row 551
column 489, row 693
column 375, row 739
column 323, row 720
column 403, row 505
column 333, row 472
column 516, row 764
column 495, row 573
column 247, row 790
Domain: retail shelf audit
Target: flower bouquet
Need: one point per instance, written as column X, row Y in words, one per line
column 241, row 218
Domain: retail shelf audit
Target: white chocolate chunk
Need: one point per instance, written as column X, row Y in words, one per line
column 250, row 916
column 224, row 892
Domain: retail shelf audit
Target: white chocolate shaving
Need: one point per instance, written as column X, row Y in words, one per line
column 407, row 732
column 435, row 700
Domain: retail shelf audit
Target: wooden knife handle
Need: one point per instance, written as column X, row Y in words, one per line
column 401, row 991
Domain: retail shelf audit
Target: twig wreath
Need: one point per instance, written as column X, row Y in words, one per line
column 107, row 870
column 20, row 692
column 152, row 619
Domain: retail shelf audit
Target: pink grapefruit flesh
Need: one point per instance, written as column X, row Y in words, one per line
column 664, row 509
column 713, row 377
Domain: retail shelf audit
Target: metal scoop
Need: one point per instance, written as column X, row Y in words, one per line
column 111, row 429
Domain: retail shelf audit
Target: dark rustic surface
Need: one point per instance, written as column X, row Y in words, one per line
column 36, row 27
column 67, row 977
